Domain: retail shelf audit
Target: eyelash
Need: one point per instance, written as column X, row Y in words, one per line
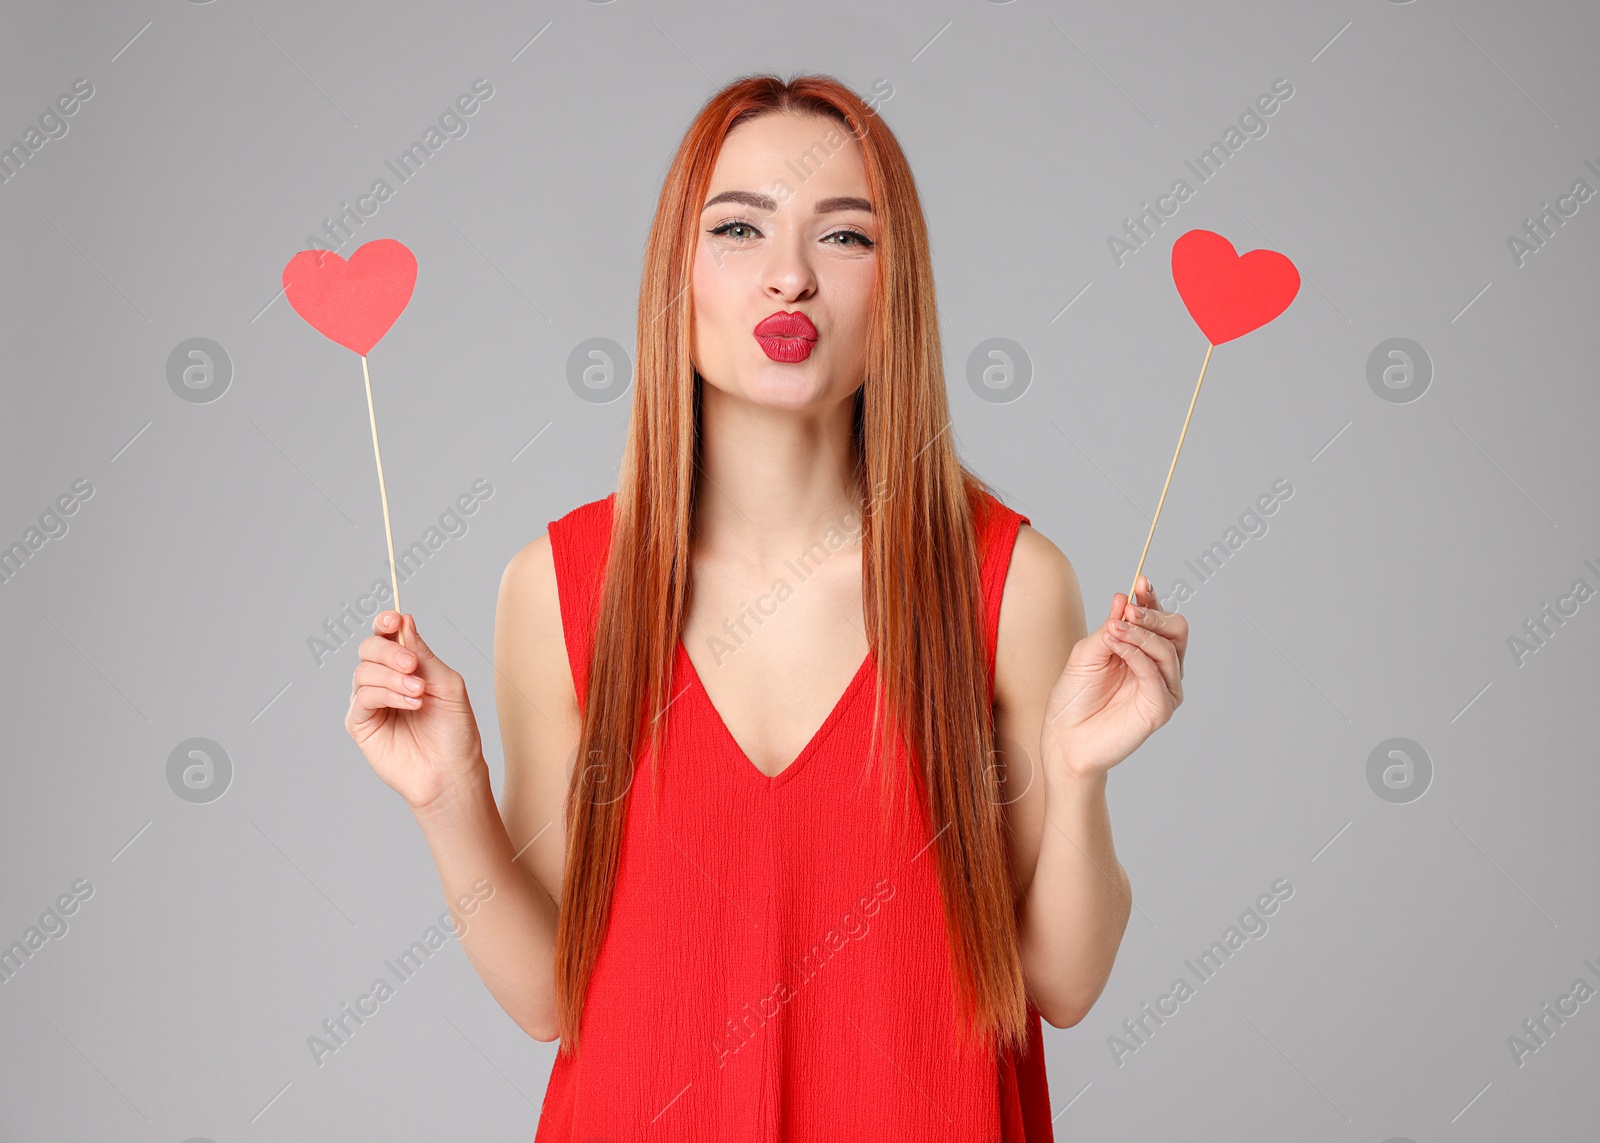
column 861, row 238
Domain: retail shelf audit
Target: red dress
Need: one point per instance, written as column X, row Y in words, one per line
column 776, row 966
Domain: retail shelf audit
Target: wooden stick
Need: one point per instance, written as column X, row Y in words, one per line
column 394, row 581
column 1172, row 466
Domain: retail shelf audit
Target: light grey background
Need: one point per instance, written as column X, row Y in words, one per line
column 220, row 535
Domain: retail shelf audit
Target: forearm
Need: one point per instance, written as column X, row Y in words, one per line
column 510, row 935
column 1078, row 903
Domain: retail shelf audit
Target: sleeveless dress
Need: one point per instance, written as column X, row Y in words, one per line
column 776, row 966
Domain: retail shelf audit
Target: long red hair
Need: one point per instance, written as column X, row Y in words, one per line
column 920, row 591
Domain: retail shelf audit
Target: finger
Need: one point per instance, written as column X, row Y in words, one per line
column 1132, row 654
column 1146, row 593
column 1169, row 623
column 379, row 675
column 434, row 671
column 1154, row 619
column 391, row 625
column 1159, row 650
column 1090, row 654
column 430, row 667
column 369, row 699
column 383, row 649
column 1146, row 669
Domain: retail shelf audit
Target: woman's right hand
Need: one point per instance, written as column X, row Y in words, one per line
column 410, row 715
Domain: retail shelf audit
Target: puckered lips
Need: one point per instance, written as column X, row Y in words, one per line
column 786, row 337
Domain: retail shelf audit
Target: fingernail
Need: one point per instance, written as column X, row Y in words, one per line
column 1119, row 625
column 406, row 660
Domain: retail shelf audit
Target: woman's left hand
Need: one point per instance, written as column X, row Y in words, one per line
column 1121, row 682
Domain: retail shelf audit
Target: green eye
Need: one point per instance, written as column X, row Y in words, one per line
column 727, row 227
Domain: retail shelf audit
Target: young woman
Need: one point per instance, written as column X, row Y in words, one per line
column 803, row 825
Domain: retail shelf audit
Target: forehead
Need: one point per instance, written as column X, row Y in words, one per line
column 813, row 155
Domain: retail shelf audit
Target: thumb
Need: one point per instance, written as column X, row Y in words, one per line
column 1090, row 654
column 430, row 667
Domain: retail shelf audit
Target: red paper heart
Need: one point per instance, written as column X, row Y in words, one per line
column 1229, row 294
column 354, row 302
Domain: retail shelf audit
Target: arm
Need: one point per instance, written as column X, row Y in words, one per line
column 539, row 729
column 1120, row 684
column 510, row 939
column 500, row 874
column 1074, row 896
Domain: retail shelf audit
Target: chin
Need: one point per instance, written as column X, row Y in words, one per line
column 784, row 388
column 777, row 385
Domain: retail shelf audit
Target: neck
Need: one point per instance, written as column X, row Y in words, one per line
column 772, row 482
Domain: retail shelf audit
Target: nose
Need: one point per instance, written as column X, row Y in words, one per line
column 788, row 275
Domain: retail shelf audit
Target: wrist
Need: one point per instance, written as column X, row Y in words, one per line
column 1070, row 779
column 460, row 795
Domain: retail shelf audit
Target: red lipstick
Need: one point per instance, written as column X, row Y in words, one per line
column 787, row 337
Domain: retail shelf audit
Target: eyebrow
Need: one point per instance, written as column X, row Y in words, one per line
column 767, row 203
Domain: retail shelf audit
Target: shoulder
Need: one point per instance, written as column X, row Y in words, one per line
column 1038, row 580
column 528, row 613
column 1037, row 564
column 1041, row 616
column 531, row 572
column 530, row 587
column 1041, row 584
column 548, row 597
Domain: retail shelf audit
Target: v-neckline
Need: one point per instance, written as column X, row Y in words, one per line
column 812, row 744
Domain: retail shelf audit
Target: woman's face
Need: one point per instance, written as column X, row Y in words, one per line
column 787, row 229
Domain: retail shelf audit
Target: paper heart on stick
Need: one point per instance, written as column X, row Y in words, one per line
column 1229, row 294
column 353, row 303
